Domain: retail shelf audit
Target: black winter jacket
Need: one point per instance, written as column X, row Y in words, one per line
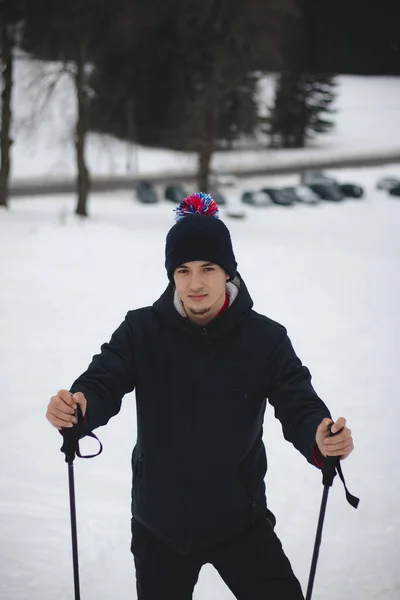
column 199, row 462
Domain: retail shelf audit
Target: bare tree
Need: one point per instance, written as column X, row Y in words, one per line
column 82, row 126
column 78, row 40
column 70, row 31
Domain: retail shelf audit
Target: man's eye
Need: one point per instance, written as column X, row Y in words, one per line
column 209, row 269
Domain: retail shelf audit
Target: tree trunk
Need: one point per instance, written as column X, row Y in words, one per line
column 208, row 113
column 205, row 155
column 7, row 81
column 300, row 138
column 83, row 176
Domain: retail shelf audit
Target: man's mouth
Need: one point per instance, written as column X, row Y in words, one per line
column 197, row 297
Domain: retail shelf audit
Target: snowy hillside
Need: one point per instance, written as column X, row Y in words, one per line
column 329, row 273
column 368, row 121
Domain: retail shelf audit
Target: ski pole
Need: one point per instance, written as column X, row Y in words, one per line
column 328, row 474
column 69, row 448
column 73, row 530
column 332, row 464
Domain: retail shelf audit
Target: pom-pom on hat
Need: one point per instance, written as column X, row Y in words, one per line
column 199, row 234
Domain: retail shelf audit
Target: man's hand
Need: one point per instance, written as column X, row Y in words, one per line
column 61, row 408
column 337, row 445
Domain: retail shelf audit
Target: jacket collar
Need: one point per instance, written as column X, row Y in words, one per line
column 240, row 304
column 232, row 290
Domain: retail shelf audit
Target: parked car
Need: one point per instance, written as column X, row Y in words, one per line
column 256, row 199
column 395, row 191
column 176, row 193
column 350, row 190
column 279, row 197
column 218, row 197
column 387, row 183
column 327, row 190
column 146, row 192
column 302, row 193
column 290, row 193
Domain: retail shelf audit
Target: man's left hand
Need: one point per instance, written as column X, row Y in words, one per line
column 340, row 444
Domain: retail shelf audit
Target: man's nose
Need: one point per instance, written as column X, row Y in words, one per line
column 196, row 282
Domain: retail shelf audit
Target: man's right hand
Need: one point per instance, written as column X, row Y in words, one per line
column 61, row 408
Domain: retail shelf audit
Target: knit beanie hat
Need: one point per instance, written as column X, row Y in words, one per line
column 199, row 234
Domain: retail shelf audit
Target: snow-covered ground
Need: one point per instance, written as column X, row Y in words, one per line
column 329, row 273
column 367, row 122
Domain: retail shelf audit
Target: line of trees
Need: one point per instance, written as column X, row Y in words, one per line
column 180, row 74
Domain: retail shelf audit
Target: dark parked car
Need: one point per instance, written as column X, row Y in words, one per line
column 327, row 190
column 290, row 193
column 395, row 191
column 279, row 197
column 146, row 192
column 350, row 190
column 256, row 199
column 176, row 193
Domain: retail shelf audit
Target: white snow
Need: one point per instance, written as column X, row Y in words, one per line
column 329, row 273
column 367, row 122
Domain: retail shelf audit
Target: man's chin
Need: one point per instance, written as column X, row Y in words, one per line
column 198, row 312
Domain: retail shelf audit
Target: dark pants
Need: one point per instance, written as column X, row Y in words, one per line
column 253, row 566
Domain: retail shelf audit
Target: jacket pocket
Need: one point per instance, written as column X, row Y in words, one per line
column 138, row 468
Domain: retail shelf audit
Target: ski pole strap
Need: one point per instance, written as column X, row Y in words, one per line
column 331, row 466
column 92, row 435
column 71, row 436
column 353, row 500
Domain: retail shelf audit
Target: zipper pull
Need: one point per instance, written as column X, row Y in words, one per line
column 204, row 332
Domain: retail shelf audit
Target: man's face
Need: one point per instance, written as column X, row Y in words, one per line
column 201, row 287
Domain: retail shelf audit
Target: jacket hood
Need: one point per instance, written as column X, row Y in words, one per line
column 242, row 304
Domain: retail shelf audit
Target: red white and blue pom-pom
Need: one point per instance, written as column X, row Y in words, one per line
column 198, row 203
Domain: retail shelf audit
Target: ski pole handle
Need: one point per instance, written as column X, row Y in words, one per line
column 336, row 432
column 70, row 437
column 331, row 462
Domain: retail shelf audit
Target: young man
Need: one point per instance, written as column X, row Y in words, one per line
column 203, row 363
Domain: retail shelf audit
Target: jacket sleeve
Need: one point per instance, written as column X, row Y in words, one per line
column 108, row 378
column 296, row 404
